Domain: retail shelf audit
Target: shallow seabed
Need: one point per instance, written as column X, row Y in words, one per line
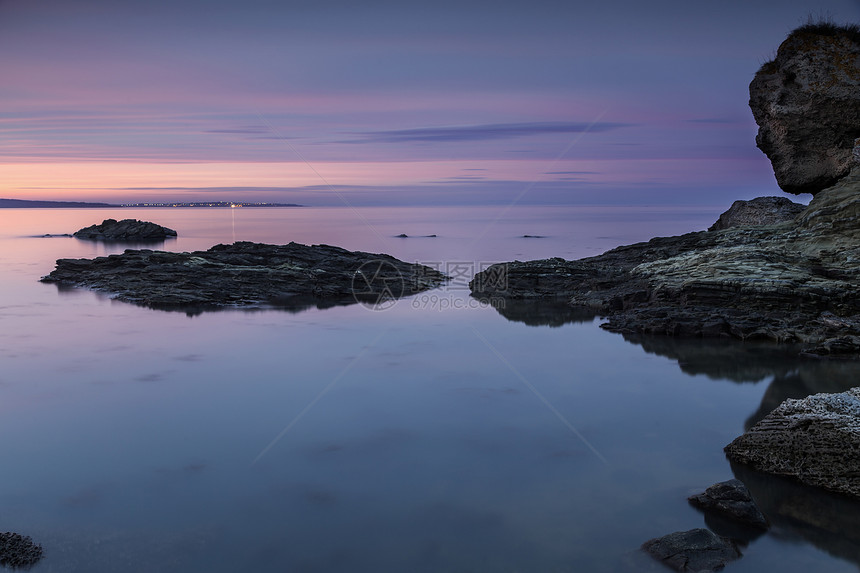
column 434, row 435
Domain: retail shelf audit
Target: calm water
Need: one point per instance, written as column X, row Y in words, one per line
column 435, row 435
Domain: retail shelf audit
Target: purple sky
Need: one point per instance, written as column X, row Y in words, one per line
column 388, row 102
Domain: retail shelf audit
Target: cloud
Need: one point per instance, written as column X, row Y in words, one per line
column 710, row 120
column 484, row 132
column 251, row 129
column 572, row 173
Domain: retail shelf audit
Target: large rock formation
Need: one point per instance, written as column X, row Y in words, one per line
column 793, row 281
column 807, row 105
column 125, row 230
column 814, row 440
column 289, row 276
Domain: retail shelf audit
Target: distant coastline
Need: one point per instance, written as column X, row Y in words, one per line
column 27, row 204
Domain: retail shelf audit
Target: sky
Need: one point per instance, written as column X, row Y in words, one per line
column 388, row 102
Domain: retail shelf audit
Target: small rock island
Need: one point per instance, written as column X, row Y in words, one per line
column 125, row 230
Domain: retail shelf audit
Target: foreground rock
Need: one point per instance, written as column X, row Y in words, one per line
column 732, row 500
column 815, row 441
column 694, row 550
column 292, row 276
column 807, row 105
column 758, row 211
column 18, row 550
column 125, row 230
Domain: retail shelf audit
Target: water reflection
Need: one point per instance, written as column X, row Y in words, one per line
column 791, row 374
column 800, row 513
column 553, row 313
column 292, row 304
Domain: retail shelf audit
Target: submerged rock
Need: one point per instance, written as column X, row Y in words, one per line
column 732, row 500
column 807, row 105
column 290, row 276
column 18, row 550
column 125, row 230
column 758, row 211
column 695, row 550
column 815, row 440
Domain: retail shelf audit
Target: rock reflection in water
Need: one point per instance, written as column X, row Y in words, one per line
column 801, row 513
column 791, row 374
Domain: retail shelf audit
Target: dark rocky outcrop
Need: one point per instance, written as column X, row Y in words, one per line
column 807, row 105
column 18, row 551
column 695, row 550
column 795, row 281
column 125, row 230
column 814, row 440
column 732, row 500
column 292, row 276
column 758, row 211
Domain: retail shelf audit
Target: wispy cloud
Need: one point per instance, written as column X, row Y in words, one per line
column 710, row 120
column 484, row 132
column 572, row 173
column 249, row 130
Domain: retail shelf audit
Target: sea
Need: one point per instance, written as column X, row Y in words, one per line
column 435, row 434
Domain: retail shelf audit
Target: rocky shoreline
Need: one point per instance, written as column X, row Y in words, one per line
column 792, row 282
column 769, row 268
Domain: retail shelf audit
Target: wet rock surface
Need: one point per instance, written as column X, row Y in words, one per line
column 732, row 500
column 807, row 105
column 18, row 551
column 292, row 276
column 758, row 211
column 694, row 550
column 814, row 440
column 125, row 230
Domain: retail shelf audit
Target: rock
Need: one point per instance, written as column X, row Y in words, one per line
column 18, row 550
column 694, row 550
column 790, row 283
column 815, row 440
column 807, row 105
column 125, row 230
column 758, row 211
column 730, row 499
column 292, row 276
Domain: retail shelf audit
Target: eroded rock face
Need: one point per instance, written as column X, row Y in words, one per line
column 292, row 276
column 758, row 211
column 125, row 230
column 807, row 105
column 815, row 441
column 695, row 550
